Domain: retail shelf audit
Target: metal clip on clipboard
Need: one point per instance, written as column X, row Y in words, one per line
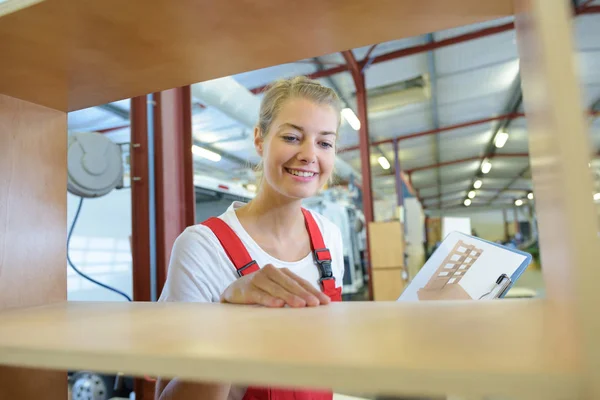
column 502, row 284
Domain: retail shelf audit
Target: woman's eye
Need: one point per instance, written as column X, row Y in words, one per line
column 288, row 138
column 326, row 145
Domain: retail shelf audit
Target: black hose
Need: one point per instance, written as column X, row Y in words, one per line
column 73, row 265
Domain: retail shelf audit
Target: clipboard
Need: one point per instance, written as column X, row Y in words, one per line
column 466, row 267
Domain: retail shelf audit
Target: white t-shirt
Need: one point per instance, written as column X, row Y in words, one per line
column 200, row 270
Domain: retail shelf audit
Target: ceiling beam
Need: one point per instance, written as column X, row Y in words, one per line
column 463, row 160
column 442, row 129
column 115, row 110
column 409, row 51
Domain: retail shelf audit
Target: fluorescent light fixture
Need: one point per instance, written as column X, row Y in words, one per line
column 467, row 202
column 597, row 196
column 477, row 184
column 500, row 140
column 251, row 187
column 530, row 195
column 486, row 166
column 518, row 202
column 202, row 152
column 471, row 194
column 385, row 164
column 352, row 119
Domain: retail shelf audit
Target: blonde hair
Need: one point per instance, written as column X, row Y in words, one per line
column 283, row 90
column 299, row 87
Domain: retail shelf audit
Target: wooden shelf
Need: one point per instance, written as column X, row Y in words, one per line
column 510, row 347
column 72, row 54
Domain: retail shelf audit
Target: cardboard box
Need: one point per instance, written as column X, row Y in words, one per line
column 386, row 243
column 387, row 284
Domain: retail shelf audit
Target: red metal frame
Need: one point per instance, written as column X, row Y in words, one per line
column 439, row 130
column 174, row 173
column 140, row 197
column 365, row 156
column 588, row 9
column 462, row 160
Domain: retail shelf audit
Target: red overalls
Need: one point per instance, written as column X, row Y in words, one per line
column 245, row 265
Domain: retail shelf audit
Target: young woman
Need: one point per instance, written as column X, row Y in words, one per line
column 271, row 251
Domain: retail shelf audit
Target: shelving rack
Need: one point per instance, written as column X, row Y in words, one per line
column 63, row 55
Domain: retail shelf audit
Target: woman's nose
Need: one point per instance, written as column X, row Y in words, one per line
column 307, row 153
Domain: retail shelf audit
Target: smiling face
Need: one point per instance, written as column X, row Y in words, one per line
column 298, row 151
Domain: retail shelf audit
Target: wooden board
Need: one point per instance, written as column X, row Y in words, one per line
column 568, row 230
column 72, row 54
column 472, row 348
column 33, row 215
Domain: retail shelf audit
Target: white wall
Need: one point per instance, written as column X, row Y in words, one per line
column 100, row 246
column 489, row 223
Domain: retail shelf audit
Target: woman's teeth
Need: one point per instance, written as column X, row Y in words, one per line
column 300, row 173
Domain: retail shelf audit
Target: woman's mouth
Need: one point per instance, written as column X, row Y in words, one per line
column 299, row 174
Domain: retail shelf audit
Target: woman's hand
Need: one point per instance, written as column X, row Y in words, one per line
column 274, row 287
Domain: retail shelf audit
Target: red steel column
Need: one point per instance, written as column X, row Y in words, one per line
column 140, row 222
column 365, row 156
column 140, row 217
column 174, row 173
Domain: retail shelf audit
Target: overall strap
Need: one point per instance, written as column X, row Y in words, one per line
column 233, row 246
column 321, row 253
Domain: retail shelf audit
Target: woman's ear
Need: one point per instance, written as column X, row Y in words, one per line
column 258, row 141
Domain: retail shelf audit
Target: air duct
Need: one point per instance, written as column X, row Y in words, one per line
column 238, row 103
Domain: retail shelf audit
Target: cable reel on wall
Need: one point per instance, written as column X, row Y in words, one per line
column 95, row 165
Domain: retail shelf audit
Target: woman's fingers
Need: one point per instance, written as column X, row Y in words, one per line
column 290, row 285
column 322, row 297
column 274, row 287
column 261, row 280
column 263, row 298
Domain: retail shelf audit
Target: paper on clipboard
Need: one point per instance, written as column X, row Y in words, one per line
column 465, row 267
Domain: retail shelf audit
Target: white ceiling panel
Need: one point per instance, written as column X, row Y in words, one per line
column 470, row 109
column 478, row 83
column 587, row 31
column 589, row 66
column 91, row 119
column 460, row 171
column 423, row 178
column 398, row 70
column 467, row 57
column 400, row 121
column 461, row 30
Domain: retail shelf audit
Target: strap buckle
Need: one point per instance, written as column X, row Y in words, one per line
column 241, row 270
column 324, row 265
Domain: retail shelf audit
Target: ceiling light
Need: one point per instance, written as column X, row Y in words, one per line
column 597, row 196
column 530, row 195
column 486, row 166
column 467, row 202
column 500, row 140
column 472, row 194
column 477, row 184
column 385, row 164
column 202, row 152
column 518, row 202
column 352, row 119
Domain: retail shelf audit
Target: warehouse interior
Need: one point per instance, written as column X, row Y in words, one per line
column 451, row 101
column 434, row 138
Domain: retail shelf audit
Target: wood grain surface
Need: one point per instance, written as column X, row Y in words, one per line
column 33, row 219
column 470, row 348
column 72, row 54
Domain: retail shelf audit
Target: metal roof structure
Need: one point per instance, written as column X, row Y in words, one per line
column 444, row 96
